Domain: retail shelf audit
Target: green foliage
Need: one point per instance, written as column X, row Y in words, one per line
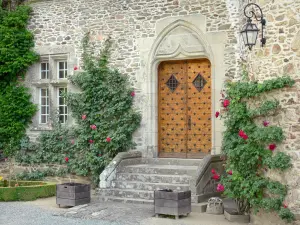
column 16, row 43
column 106, row 101
column 16, row 110
column 41, row 174
column 27, row 191
column 16, row 55
column 249, row 156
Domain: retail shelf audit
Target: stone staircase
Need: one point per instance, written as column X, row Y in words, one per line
column 136, row 183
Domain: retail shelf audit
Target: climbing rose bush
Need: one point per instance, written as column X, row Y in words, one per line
column 104, row 115
column 250, row 148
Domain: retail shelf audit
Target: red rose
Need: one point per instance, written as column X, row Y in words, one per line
column 72, row 141
column 91, row 141
column 216, row 177
column 67, row 159
column 266, row 123
column 284, row 205
column 213, row 171
column 75, row 68
column 132, row 94
column 226, row 103
column 243, row 135
column 272, row 147
column 108, row 139
column 217, row 114
column 220, row 188
column 83, row 117
column 230, row 172
column 93, row 127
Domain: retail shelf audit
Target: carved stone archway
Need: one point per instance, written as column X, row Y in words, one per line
column 177, row 39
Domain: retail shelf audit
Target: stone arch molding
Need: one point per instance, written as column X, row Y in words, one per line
column 180, row 39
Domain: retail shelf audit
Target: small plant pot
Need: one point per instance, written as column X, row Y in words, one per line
column 73, row 194
column 168, row 202
column 234, row 217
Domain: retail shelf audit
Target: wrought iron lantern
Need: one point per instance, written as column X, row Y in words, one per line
column 250, row 30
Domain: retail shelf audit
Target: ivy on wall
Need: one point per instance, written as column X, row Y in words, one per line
column 104, row 115
column 16, row 55
column 251, row 148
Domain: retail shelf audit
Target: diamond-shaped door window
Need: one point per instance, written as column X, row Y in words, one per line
column 172, row 83
column 199, row 82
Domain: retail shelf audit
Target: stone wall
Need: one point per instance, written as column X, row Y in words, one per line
column 281, row 56
column 19, row 168
column 59, row 25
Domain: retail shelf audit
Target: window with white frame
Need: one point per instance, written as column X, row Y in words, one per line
column 44, row 70
column 50, row 81
column 62, row 69
column 62, row 107
column 44, row 105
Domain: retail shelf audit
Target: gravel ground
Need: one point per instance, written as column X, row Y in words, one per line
column 22, row 213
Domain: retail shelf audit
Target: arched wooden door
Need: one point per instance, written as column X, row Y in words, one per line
column 184, row 118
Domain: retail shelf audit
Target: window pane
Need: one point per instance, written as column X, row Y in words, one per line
column 43, row 66
column 61, row 65
column 61, row 110
column 43, row 119
column 66, row 110
column 61, row 119
column 44, row 101
column 61, row 74
column 48, row 110
column 43, row 92
column 43, row 75
column 43, row 108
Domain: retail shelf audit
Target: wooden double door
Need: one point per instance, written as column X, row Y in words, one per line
column 184, row 118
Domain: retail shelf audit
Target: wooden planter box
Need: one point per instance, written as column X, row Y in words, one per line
column 72, row 194
column 172, row 203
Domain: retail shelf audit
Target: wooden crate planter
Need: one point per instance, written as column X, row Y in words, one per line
column 72, row 194
column 173, row 203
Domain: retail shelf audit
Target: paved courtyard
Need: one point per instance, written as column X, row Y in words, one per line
column 46, row 212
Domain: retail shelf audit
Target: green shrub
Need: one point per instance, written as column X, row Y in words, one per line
column 27, row 191
column 105, row 120
column 250, row 147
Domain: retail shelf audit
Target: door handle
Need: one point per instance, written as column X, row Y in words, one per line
column 190, row 122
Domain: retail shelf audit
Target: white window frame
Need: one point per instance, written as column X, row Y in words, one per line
column 47, row 70
column 47, row 106
column 65, row 115
column 65, row 69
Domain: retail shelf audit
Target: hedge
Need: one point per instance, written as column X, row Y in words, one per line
column 27, row 191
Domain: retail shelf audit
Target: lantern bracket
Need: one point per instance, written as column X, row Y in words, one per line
column 250, row 13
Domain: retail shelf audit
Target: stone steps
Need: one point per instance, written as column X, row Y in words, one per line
column 154, row 178
column 135, row 183
column 159, row 169
column 172, row 161
column 126, row 200
column 130, row 194
column 149, row 186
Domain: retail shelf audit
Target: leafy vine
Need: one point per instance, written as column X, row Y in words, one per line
column 104, row 115
column 251, row 148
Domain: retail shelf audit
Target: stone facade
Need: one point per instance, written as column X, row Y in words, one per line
column 147, row 32
column 144, row 33
column 281, row 56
